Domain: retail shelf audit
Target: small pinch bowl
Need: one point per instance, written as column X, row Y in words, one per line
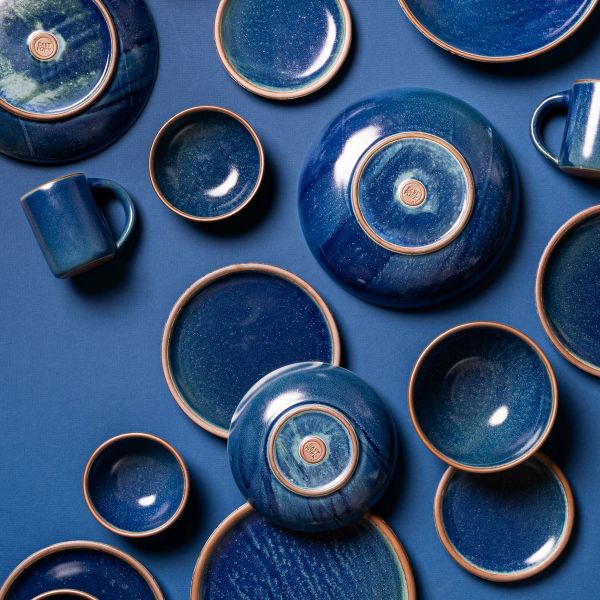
column 65, row 595
column 505, row 526
column 206, row 163
column 136, row 485
column 483, row 397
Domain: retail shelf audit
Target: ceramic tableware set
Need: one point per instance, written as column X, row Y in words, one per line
column 408, row 199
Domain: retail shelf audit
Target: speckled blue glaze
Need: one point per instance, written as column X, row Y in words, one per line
column 68, row 225
column 283, row 45
column 103, row 575
column 136, row 484
column 235, row 331
column 366, row 268
column 493, row 29
column 571, row 291
column 257, row 560
column 580, row 151
column 310, row 385
column 206, row 163
column 509, row 522
column 483, row 397
column 116, row 110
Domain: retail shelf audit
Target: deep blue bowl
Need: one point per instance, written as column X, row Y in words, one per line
column 312, row 447
column 505, row 526
column 409, row 198
column 568, row 290
column 283, row 49
column 483, row 397
column 96, row 569
column 136, row 485
column 248, row 556
column 206, row 163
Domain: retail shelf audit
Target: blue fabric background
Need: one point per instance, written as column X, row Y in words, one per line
column 81, row 360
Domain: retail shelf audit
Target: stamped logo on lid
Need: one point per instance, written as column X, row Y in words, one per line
column 413, row 192
column 313, row 450
column 43, row 45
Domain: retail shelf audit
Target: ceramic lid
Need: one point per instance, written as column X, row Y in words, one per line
column 57, row 57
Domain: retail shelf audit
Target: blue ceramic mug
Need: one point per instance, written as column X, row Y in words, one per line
column 580, row 152
column 70, row 228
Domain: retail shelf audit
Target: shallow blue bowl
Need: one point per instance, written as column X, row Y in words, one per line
column 248, row 556
column 312, row 447
column 283, row 49
column 497, row 30
column 409, row 198
column 136, row 485
column 98, row 570
column 483, row 397
column 568, row 290
column 505, row 526
column 206, row 163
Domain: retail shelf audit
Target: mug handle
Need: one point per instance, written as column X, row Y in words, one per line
column 122, row 195
column 550, row 104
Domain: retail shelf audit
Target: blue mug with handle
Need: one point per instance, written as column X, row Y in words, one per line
column 580, row 151
column 69, row 226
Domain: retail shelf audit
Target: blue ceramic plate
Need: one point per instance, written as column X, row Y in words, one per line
column 96, row 569
column 283, row 49
column 206, row 163
column 497, row 30
column 136, row 484
column 483, row 397
column 505, row 526
column 568, row 290
column 250, row 557
column 409, row 198
column 56, row 83
column 312, row 447
column 233, row 327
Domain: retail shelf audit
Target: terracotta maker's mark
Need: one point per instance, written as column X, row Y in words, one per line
column 313, row 450
column 43, row 45
column 413, row 192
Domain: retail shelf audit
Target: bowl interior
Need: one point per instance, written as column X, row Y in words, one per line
column 136, row 484
column 483, row 397
column 206, row 163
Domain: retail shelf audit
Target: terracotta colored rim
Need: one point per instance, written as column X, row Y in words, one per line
column 342, row 479
column 241, row 513
column 100, row 88
column 415, row 373
column 173, row 120
column 587, row 80
column 495, row 59
column 453, row 232
column 571, row 224
column 505, row 577
column 74, row 593
column 81, row 545
column 49, row 183
column 107, row 524
column 203, row 283
column 292, row 94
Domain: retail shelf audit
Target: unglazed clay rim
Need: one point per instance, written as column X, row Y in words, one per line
column 290, row 94
column 245, row 510
column 203, row 283
column 411, row 397
column 454, row 231
column 557, row 238
column 336, row 484
column 125, row 532
column 519, row 575
column 98, row 90
column 68, row 592
column 81, row 545
column 496, row 59
column 165, row 128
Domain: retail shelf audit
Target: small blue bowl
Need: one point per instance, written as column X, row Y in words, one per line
column 312, row 447
column 206, row 163
column 136, row 485
column 505, row 526
column 483, row 397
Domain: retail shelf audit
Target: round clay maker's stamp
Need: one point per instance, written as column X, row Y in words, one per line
column 413, row 192
column 42, row 45
column 313, row 450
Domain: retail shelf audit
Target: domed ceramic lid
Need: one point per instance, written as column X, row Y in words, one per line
column 57, row 57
